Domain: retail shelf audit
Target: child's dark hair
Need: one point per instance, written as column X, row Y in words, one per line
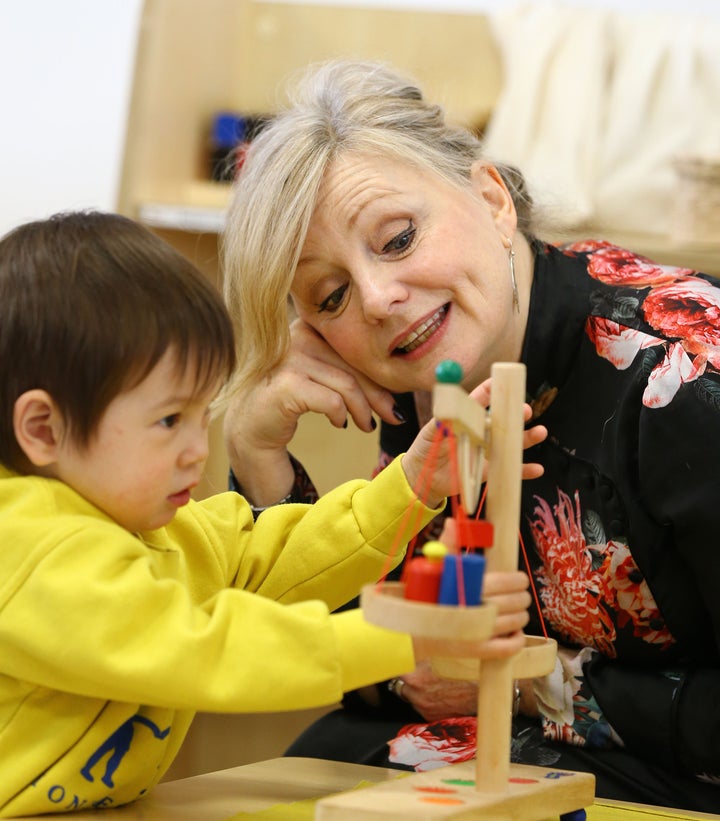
column 89, row 303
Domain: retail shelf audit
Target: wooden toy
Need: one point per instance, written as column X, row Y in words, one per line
column 490, row 787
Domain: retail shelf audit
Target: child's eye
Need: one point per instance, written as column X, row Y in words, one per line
column 170, row 421
column 402, row 241
column 333, row 302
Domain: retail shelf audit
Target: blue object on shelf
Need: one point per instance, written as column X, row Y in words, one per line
column 228, row 130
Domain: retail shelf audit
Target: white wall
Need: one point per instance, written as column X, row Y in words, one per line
column 65, row 74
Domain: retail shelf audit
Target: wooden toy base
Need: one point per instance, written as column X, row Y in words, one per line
column 533, row 794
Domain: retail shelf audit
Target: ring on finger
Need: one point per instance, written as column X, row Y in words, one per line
column 396, row 685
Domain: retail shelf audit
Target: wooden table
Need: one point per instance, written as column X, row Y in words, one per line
column 254, row 787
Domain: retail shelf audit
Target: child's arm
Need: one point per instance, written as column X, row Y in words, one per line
column 329, row 550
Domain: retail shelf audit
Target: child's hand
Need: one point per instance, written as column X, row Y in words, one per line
column 438, row 480
column 509, row 592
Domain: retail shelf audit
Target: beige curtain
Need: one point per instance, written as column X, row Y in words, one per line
column 598, row 104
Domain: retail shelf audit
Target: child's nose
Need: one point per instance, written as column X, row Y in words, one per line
column 197, row 449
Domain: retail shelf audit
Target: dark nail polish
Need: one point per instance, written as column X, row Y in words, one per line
column 398, row 414
column 345, row 423
column 373, row 423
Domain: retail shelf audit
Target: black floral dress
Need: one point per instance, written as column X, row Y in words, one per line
column 621, row 534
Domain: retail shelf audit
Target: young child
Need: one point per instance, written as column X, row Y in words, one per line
column 125, row 607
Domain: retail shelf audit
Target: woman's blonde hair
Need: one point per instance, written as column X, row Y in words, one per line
column 336, row 107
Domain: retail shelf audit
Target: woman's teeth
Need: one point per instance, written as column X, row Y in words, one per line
column 423, row 332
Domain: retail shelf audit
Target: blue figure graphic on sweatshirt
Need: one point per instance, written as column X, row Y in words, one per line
column 118, row 744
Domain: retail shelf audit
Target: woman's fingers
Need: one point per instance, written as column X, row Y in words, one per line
column 509, row 623
column 482, row 393
column 358, row 395
column 493, row 648
column 498, row 583
column 500, row 647
column 531, row 436
column 510, row 594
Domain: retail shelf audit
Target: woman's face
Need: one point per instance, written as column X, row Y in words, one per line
column 400, row 271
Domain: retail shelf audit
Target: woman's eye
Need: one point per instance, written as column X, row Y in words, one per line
column 333, row 302
column 402, row 241
column 170, row 421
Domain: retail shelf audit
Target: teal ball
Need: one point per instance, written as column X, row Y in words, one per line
column 449, row 371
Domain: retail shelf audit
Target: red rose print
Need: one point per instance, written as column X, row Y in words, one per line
column 617, row 343
column 616, row 266
column 690, row 312
column 666, row 378
column 429, row 746
column 585, row 245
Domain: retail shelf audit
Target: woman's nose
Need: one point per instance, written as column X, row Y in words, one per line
column 380, row 294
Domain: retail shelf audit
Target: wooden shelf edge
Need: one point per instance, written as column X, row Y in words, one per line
column 191, row 218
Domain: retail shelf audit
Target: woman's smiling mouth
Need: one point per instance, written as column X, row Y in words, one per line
column 422, row 332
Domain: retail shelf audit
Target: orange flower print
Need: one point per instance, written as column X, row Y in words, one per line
column 588, row 591
column 635, row 601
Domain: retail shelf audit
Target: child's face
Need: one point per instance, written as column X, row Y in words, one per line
column 148, row 452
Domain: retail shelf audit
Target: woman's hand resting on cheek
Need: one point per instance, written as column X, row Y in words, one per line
column 261, row 421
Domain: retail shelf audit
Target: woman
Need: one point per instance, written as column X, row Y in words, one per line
column 401, row 245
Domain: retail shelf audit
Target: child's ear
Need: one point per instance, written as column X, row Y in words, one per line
column 38, row 426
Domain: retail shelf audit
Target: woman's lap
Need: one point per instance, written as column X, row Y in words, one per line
column 358, row 738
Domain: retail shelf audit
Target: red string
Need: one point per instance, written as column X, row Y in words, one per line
column 526, row 562
column 421, row 490
column 536, row 598
column 482, row 502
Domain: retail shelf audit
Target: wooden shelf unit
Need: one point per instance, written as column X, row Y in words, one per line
column 198, row 57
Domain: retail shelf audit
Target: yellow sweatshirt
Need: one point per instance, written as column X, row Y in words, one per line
column 111, row 641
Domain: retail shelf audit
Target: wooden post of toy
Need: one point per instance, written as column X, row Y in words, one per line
column 500, row 790
column 495, row 692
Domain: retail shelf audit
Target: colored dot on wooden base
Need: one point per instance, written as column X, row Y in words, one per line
column 460, row 782
column 448, row 802
column 449, row 371
column 433, row 789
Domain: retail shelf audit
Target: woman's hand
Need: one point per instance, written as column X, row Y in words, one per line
column 440, row 480
column 531, row 436
column 434, row 697
column 261, row 421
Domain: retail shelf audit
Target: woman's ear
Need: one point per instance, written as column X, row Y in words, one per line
column 38, row 426
column 487, row 182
